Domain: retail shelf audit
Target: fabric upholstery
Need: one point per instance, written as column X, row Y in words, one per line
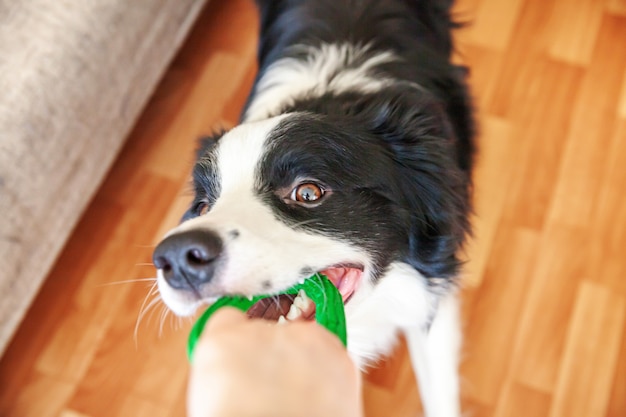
column 74, row 76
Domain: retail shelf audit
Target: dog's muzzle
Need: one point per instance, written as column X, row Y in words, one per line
column 188, row 259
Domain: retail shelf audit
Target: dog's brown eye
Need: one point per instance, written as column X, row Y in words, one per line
column 307, row 193
column 201, row 208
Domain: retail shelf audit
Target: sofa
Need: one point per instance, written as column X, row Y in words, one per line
column 74, row 77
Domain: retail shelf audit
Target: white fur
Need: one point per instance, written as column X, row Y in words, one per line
column 435, row 357
column 377, row 313
column 401, row 303
column 289, row 79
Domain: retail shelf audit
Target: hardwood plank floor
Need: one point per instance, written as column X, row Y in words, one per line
column 544, row 290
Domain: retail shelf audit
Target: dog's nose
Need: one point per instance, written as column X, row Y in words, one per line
column 188, row 259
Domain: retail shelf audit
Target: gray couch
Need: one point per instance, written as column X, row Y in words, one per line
column 74, row 76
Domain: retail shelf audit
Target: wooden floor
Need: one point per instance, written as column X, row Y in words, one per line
column 545, row 287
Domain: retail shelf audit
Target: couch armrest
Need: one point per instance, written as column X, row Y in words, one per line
column 74, row 76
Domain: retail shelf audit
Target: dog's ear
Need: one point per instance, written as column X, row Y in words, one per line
column 434, row 189
column 208, row 142
column 202, row 179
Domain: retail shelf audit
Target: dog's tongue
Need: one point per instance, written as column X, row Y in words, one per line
column 345, row 279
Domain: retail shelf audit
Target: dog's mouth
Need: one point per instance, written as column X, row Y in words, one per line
column 283, row 308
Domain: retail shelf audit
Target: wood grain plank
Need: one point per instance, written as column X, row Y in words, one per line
column 621, row 108
column 379, row 401
column 35, row 334
column 71, row 413
column 494, row 16
column 385, row 373
column 502, row 297
column 41, row 396
column 472, row 408
column 616, row 7
column 138, row 407
column 164, row 371
column 541, row 114
column 575, row 30
column 104, row 386
column 197, row 117
column 486, row 80
column 586, row 151
column 465, row 11
column 617, row 403
column 591, row 352
column 392, row 374
column 180, row 407
column 80, row 332
column 609, row 218
column 531, row 35
column 521, row 400
column 541, row 337
column 492, row 177
column 115, row 315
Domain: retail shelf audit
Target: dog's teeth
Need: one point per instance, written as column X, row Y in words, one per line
column 294, row 312
column 282, row 320
column 250, row 297
column 302, row 301
column 301, row 281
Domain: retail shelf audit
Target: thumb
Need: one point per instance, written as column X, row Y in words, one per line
column 224, row 318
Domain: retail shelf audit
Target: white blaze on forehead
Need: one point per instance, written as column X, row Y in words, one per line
column 327, row 68
column 239, row 152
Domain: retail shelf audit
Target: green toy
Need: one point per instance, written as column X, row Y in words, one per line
column 328, row 308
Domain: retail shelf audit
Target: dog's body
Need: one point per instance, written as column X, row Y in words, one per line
column 353, row 158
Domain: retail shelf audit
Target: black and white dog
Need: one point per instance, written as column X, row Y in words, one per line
column 353, row 158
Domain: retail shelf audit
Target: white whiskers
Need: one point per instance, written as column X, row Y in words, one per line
column 128, row 281
column 155, row 298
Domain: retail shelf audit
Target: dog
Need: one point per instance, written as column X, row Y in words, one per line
column 353, row 158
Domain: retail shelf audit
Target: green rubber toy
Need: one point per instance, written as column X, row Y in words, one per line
column 328, row 308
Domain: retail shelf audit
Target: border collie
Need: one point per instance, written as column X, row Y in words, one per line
column 352, row 159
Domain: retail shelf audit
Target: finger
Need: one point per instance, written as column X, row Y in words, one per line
column 323, row 334
column 224, row 318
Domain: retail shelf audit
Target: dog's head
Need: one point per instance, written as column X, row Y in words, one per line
column 280, row 199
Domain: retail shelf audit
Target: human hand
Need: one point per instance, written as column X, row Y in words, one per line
column 251, row 367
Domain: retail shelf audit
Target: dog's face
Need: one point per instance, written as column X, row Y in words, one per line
column 281, row 199
column 277, row 201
